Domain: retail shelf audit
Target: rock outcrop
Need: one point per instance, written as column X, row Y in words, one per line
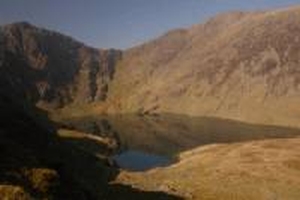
column 51, row 69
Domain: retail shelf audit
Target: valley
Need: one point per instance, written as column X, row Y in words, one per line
column 205, row 112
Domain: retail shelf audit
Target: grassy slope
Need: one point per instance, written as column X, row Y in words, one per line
column 238, row 65
column 267, row 169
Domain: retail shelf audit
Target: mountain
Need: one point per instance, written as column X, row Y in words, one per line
column 239, row 65
column 51, row 69
column 236, row 65
column 35, row 162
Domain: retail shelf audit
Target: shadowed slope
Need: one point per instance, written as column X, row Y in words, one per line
column 35, row 163
column 52, row 69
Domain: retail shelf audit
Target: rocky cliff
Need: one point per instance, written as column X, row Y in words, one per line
column 51, row 69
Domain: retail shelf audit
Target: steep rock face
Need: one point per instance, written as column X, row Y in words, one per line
column 237, row 65
column 52, row 69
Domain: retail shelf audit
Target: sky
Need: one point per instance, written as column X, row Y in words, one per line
column 122, row 23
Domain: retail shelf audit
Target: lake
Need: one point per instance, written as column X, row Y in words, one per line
column 145, row 142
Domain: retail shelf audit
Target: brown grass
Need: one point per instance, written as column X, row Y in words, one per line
column 248, row 171
column 41, row 180
column 10, row 192
column 78, row 110
column 293, row 164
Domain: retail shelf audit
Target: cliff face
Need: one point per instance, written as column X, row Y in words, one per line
column 236, row 65
column 52, row 69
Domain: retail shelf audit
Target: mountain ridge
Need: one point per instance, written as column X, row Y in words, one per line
column 240, row 65
column 249, row 64
column 56, row 69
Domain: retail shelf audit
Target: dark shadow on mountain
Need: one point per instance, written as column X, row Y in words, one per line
column 35, row 159
column 125, row 192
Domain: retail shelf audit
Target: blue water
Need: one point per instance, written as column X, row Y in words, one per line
column 140, row 161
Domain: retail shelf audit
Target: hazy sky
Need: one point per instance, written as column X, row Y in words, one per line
column 122, row 23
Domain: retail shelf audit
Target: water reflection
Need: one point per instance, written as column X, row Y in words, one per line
column 156, row 139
